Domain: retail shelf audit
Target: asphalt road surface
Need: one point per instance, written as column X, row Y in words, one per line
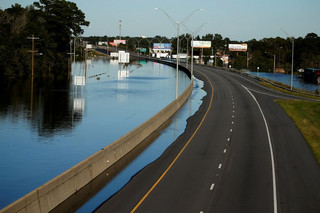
column 240, row 153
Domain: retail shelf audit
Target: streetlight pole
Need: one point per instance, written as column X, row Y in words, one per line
column 274, row 65
column 177, row 25
column 138, row 45
column 192, row 36
column 187, row 37
column 149, row 46
column 274, row 62
column 120, row 27
column 292, row 41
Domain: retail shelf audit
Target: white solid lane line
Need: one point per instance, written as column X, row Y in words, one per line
column 275, row 202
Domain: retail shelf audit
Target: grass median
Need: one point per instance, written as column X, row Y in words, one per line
column 306, row 115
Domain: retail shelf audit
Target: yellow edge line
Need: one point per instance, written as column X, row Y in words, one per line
column 181, row 151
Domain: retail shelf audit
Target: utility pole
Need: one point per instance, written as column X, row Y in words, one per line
column 32, row 52
column 32, row 69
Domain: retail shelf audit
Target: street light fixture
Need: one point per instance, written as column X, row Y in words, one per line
column 138, row 41
column 292, row 41
column 139, row 44
column 177, row 25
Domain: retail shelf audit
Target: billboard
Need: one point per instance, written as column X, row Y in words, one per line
column 201, row 44
column 162, row 46
column 100, row 43
column 119, row 41
column 238, row 47
column 112, row 44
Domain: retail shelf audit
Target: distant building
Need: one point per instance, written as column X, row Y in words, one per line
column 279, row 70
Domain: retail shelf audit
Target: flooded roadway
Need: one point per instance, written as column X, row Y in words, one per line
column 61, row 128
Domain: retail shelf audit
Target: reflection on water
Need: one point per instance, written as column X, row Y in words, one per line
column 64, row 126
column 17, row 106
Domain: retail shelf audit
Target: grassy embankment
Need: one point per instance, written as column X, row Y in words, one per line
column 306, row 115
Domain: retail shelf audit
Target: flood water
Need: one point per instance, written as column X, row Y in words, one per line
column 44, row 135
column 297, row 82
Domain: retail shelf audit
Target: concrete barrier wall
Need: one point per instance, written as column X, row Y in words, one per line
column 52, row 193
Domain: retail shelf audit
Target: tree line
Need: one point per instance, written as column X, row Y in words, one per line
column 260, row 53
column 53, row 23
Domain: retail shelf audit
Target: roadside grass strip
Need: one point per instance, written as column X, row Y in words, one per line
column 306, row 115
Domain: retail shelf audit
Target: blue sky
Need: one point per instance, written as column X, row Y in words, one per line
column 240, row 20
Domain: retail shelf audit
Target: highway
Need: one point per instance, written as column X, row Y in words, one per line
column 240, row 153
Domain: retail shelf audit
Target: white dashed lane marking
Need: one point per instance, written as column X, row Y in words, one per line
column 212, row 187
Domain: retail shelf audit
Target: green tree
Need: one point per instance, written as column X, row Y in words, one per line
column 12, row 51
column 54, row 22
column 63, row 19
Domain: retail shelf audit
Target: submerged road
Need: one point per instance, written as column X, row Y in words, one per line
column 240, row 153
